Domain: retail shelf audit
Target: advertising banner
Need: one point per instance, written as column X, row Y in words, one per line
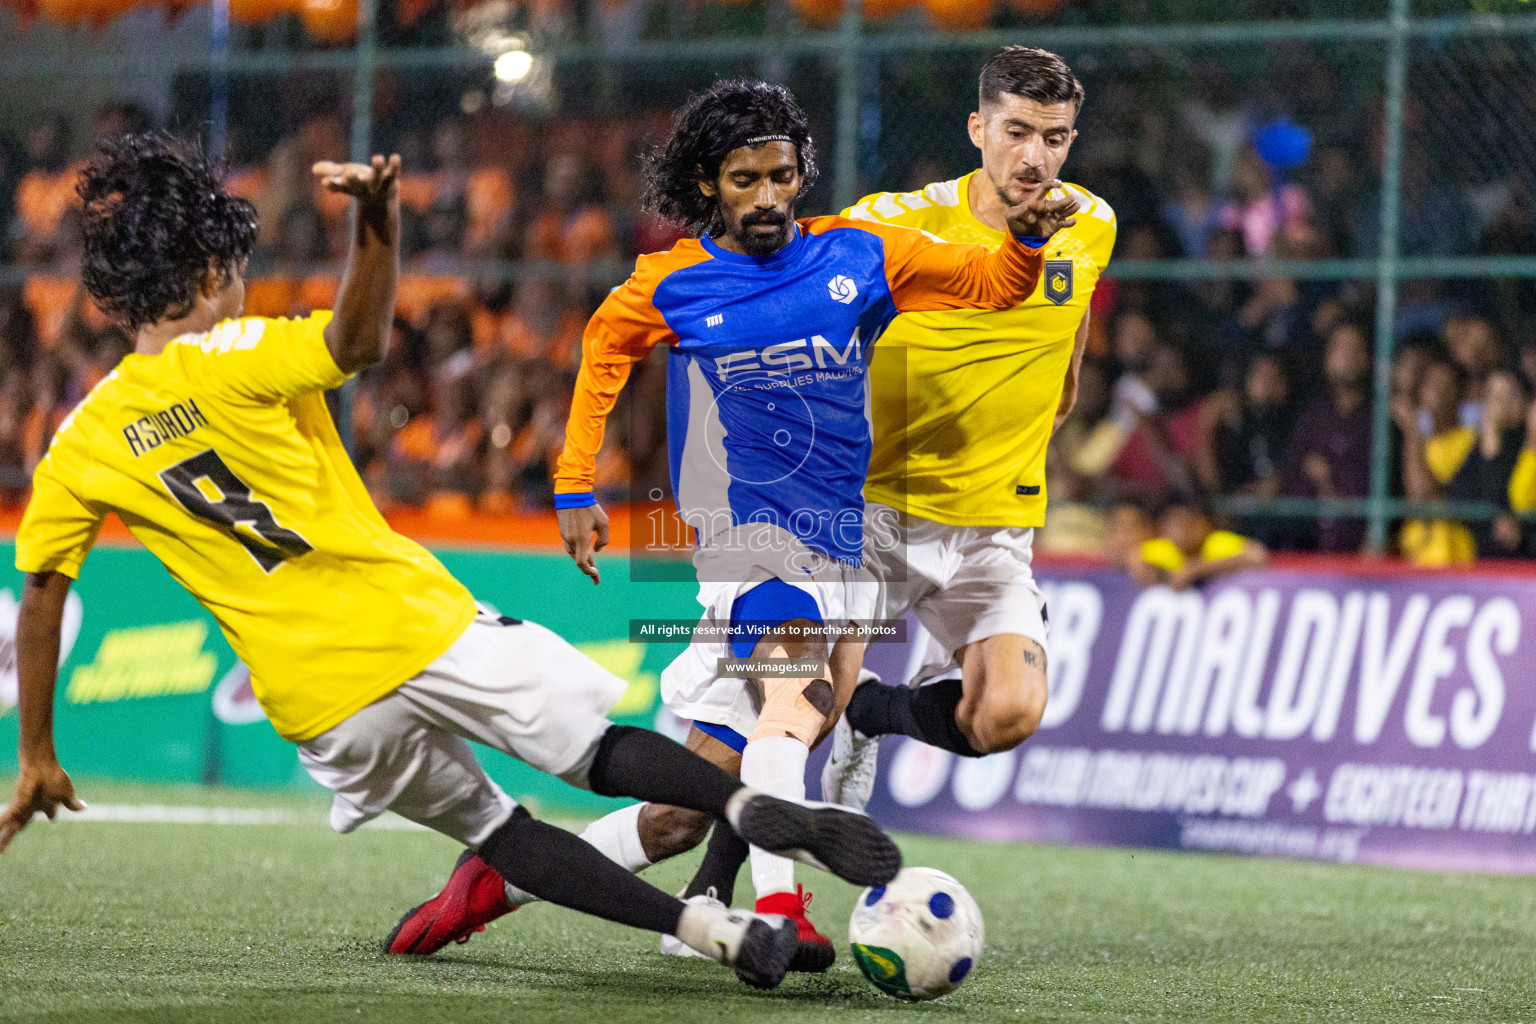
column 1383, row 718
column 1388, row 719
column 150, row 690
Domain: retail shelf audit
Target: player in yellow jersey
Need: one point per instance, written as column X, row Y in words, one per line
column 964, row 402
column 213, row 443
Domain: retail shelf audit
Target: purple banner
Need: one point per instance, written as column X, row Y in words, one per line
column 1386, row 719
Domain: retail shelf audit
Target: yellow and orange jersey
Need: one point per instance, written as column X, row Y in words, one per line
column 964, row 399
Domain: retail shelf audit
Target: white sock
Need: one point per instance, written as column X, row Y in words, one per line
column 776, row 766
column 694, row 928
column 616, row 836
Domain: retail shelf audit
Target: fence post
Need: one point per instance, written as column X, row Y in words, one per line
column 218, row 100
column 846, row 180
column 362, row 80
column 362, row 150
column 1386, row 273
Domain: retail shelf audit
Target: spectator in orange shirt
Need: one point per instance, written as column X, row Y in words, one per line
column 443, row 229
column 12, row 167
column 485, row 193
column 418, row 182
column 448, row 335
column 120, row 118
column 45, row 191
column 435, row 459
column 544, row 324
column 301, row 246
column 537, row 447
column 388, row 397
column 573, row 226
column 15, row 403
column 246, row 175
column 500, row 412
column 49, row 381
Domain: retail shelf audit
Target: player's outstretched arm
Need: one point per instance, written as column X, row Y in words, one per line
column 42, row 786
column 926, row 274
column 358, row 334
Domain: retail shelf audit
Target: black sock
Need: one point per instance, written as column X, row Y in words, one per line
column 647, row 766
column 926, row 713
column 723, row 858
column 557, row 866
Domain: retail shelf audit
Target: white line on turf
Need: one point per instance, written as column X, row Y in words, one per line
column 183, row 814
column 172, row 814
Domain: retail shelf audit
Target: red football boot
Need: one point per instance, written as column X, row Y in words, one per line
column 816, row 952
column 475, row 896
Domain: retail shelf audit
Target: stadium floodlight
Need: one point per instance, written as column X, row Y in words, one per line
column 513, row 66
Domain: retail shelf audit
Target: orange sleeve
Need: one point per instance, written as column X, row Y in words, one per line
column 926, row 274
column 621, row 333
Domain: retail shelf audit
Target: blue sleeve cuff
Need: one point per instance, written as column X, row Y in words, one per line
column 1032, row 241
column 578, row 500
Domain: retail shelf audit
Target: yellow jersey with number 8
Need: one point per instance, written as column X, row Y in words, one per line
column 220, row 456
column 964, row 400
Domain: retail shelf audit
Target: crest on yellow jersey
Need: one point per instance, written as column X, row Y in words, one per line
column 1058, row 280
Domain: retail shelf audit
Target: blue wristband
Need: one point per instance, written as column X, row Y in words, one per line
column 1032, row 241
column 582, row 499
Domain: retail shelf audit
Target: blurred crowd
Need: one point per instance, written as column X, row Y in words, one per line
column 504, row 259
column 1258, row 387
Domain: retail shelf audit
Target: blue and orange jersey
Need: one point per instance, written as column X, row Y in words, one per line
column 767, row 403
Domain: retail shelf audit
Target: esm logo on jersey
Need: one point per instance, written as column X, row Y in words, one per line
column 813, row 353
column 842, row 289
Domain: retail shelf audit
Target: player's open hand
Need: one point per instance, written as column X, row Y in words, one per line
column 40, row 789
column 577, row 525
column 368, row 183
column 1042, row 216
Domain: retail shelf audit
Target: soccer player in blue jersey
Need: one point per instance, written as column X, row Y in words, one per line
column 769, row 321
column 213, row 444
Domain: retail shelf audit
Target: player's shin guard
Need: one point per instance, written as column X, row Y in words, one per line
column 557, row 866
column 792, row 714
column 647, row 766
column 776, row 766
column 616, row 836
column 926, row 713
column 723, row 859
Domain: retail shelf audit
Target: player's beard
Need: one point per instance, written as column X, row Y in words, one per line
column 760, row 244
column 1014, row 200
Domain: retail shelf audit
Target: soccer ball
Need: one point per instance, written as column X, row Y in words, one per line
column 919, row 937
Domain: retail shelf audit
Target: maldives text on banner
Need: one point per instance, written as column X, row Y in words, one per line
column 1388, row 719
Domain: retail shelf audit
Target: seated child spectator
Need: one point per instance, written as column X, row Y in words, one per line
column 1486, row 472
column 1190, row 550
column 1435, row 445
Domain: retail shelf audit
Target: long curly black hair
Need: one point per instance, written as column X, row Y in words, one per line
column 704, row 130
column 156, row 220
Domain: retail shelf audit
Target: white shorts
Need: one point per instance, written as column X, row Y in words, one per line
column 963, row 583
column 514, row 686
column 733, row 564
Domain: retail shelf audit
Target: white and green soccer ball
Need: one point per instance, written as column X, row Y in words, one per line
column 918, row 937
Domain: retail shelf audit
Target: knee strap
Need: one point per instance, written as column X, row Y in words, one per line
column 793, row 707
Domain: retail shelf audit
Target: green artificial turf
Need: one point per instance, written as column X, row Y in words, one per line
column 112, row 922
